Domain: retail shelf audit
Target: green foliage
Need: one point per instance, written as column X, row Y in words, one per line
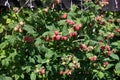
column 30, row 49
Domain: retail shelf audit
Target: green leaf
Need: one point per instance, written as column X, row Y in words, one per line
column 11, row 39
column 33, row 76
column 1, row 28
column 114, row 56
column 8, row 78
column 4, row 44
column 101, row 75
column 50, row 27
column 109, row 66
column 61, row 22
column 31, row 60
column 2, row 54
column 49, row 54
column 89, row 54
column 117, row 68
column 8, row 21
column 16, row 77
column 65, row 31
column 30, row 30
column 5, row 62
column 39, row 59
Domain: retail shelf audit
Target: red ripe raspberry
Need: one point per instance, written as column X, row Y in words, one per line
column 75, row 33
column 56, row 32
column 47, row 39
column 105, row 64
column 98, row 18
column 42, row 71
column 70, row 22
column 110, row 36
column 27, row 39
column 58, row 2
column 108, row 53
column 64, row 16
column 77, row 27
column 117, row 30
column 90, row 24
column 83, row 46
column 71, row 35
column 61, row 72
column 102, row 48
column 94, row 58
column 67, row 72
column 64, row 38
column 58, row 37
column 107, row 47
column 53, row 37
column 105, row 0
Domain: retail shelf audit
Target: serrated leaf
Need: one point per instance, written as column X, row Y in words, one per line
column 109, row 66
column 8, row 78
column 5, row 62
column 49, row 54
column 101, row 75
column 89, row 54
column 117, row 67
column 39, row 59
column 114, row 56
column 1, row 29
column 4, row 44
column 33, row 76
column 50, row 27
column 8, row 21
column 11, row 39
column 30, row 30
column 16, row 77
column 65, row 31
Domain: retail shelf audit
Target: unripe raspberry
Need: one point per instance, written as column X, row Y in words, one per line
column 90, row 58
column 16, row 28
column 90, row 48
column 45, row 10
column 20, row 30
column 21, row 23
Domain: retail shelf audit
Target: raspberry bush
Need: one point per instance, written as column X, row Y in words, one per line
column 48, row 44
